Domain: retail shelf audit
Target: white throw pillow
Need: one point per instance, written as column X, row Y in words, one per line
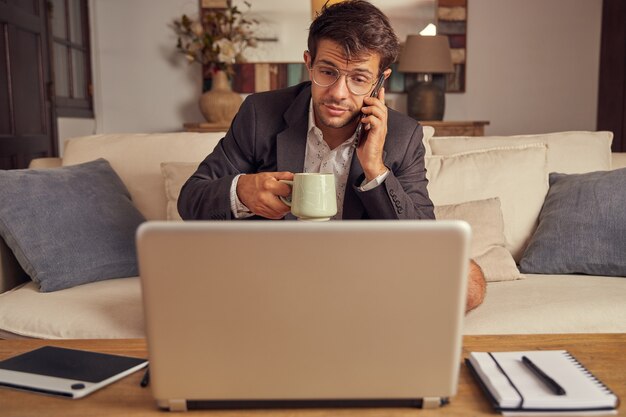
column 568, row 152
column 516, row 175
column 488, row 246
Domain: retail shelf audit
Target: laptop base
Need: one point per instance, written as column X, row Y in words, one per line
column 185, row 405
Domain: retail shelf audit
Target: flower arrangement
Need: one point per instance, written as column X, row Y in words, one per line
column 218, row 40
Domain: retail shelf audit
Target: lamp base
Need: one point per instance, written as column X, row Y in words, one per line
column 426, row 101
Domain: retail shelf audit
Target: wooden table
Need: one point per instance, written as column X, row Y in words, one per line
column 452, row 128
column 205, row 127
column 603, row 354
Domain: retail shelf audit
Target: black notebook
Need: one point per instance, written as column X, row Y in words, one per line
column 65, row 372
column 515, row 389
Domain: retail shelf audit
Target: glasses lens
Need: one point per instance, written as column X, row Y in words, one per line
column 359, row 84
column 325, row 76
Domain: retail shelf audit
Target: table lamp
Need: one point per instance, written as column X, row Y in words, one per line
column 426, row 55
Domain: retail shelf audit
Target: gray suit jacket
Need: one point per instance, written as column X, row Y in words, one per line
column 269, row 133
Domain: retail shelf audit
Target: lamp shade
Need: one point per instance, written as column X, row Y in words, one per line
column 426, row 54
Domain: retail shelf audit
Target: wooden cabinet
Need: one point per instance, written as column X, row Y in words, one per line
column 448, row 128
column 445, row 128
column 205, row 127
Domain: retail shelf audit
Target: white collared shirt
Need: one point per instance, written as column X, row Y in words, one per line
column 318, row 158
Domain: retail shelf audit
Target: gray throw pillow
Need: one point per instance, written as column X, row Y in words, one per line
column 69, row 226
column 582, row 226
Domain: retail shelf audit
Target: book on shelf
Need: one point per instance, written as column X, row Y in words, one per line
column 549, row 382
column 262, row 77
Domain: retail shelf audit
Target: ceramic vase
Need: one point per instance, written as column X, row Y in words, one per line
column 220, row 104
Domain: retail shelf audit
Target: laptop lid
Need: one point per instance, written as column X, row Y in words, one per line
column 248, row 313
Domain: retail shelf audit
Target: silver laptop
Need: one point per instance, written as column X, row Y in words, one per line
column 296, row 314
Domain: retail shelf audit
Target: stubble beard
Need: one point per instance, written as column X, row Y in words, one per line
column 335, row 122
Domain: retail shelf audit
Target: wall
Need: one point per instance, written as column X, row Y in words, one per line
column 141, row 84
column 72, row 128
column 532, row 67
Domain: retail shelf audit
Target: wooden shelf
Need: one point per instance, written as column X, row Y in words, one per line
column 205, row 127
column 463, row 128
column 442, row 128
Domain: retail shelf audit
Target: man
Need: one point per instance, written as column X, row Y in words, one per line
column 311, row 128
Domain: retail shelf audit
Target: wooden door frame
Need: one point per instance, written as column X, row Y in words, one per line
column 612, row 76
column 17, row 19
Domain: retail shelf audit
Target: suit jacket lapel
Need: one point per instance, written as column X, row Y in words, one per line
column 352, row 206
column 291, row 142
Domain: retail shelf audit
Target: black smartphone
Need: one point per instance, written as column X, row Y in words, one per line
column 360, row 130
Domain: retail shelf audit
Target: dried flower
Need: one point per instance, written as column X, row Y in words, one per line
column 219, row 40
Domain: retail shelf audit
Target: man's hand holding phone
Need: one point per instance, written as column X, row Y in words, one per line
column 370, row 147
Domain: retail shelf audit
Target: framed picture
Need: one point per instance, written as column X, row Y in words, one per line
column 452, row 21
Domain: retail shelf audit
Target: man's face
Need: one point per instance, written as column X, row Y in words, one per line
column 335, row 106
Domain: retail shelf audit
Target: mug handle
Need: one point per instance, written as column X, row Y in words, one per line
column 283, row 199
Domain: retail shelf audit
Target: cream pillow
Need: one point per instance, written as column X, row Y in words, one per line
column 568, row 152
column 175, row 174
column 487, row 248
column 428, row 132
column 516, row 175
column 136, row 157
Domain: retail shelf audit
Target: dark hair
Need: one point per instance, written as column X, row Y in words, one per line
column 359, row 27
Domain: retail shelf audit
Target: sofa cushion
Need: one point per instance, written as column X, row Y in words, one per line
column 551, row 304
column 568, row 152
column 618, row 160
column 100, row 310
column 69, row 226
column 175, row 174
column 582, row 226
column 487, row 248
column 516, row 175
column 137, row 158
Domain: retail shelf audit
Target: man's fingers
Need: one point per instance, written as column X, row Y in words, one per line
column 283, row 175
column 272, row 206
column 274, row 186
column 259, row 192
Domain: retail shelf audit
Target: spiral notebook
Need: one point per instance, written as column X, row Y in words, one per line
column 514, row 388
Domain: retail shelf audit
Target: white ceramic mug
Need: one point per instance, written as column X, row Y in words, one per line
column 313, row 196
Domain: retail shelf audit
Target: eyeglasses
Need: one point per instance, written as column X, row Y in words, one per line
column 358, row 83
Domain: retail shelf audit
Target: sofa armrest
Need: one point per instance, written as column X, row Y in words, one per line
column 45, row 163
column 11, row 273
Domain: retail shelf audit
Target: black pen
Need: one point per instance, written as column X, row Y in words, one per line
column 146, row 378
column 551, row 383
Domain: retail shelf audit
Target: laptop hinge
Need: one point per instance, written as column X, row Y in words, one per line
column 432, row 402
column 177, row 405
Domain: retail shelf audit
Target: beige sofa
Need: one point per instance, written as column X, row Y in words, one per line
column 514, row 169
